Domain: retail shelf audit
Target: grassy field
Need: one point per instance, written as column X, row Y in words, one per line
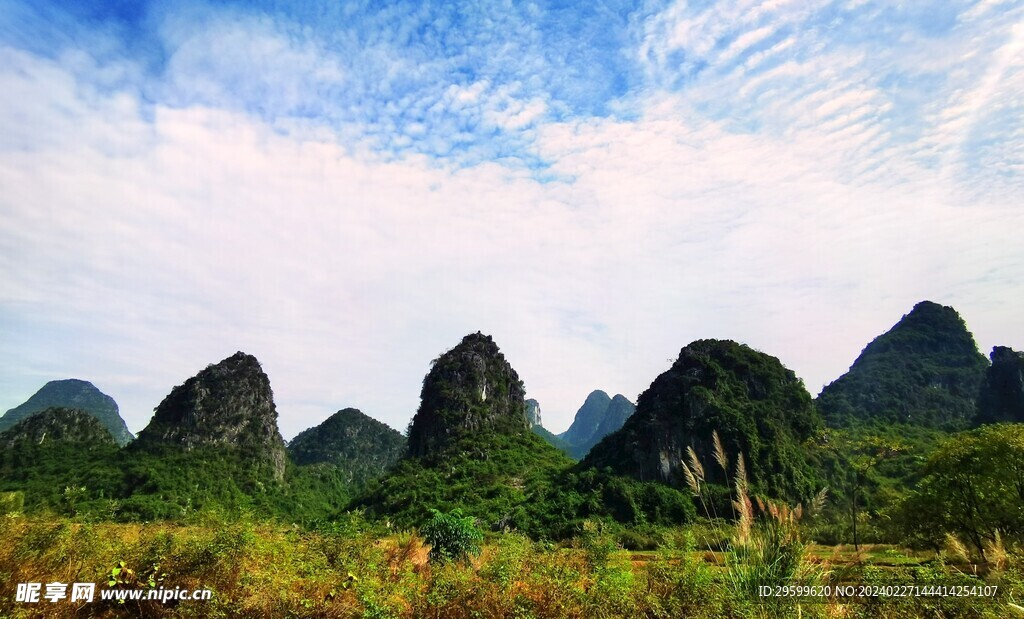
column 353, row 569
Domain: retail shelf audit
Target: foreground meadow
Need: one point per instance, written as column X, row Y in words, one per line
column 353, row 569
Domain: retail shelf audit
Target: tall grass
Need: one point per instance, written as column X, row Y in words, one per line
column 766, row 549
column 356, row 569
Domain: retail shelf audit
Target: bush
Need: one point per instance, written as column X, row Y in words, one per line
column 12, row 502
column 452, row 536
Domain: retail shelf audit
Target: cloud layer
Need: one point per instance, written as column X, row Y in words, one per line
column 345, row 192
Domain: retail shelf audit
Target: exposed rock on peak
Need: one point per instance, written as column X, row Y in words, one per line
column 72, row 393
column 470, row 388
column 533, row 413
column 58, row 425
column 758, row 407
column 1002, row 391
column 227, row 404
column 926, row 370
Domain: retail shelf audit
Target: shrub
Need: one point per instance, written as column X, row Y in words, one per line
column 11, row 502
column 452, row 536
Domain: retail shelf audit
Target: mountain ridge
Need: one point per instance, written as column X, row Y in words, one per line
column 77, row 394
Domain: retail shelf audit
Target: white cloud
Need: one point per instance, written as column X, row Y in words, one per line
column 788, row 197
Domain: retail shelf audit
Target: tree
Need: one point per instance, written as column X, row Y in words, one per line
column 858, row 456
column 452, row 536
column 972, row 486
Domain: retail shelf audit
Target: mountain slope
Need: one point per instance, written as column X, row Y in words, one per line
column 588, row 418
column 926, row 370
column 72, row 393
column 470, row 388
column 360, row 446
column 58, row 458
column 57, row 425
column 227, row 405
column 757, row 406
column 469, row 444
column 1001, row 398
column 599, row 416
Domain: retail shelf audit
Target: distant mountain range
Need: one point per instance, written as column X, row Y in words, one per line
column 475, row 441
column 598, row 417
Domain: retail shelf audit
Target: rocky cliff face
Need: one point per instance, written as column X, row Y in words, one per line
column 533, row 413
column 58, row 425
column 470, row 388
column 599, row 416
column 359, row 445
column 757, row 406
column 1001, row 397
column 72, row 393
column 228, row 405
column 926, row 370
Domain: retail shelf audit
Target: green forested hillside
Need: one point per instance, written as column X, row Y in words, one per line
column 758, row 407
column 361, row 447
column 926, row 371
column 72, row 393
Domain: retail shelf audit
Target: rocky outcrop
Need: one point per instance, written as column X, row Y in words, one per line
column 72, row 393
column 471, row 388
column 470, row 446
column 757, row 406
column 533, row 418
column 58, row 426
column 1001, row 398
column 533, row 413
column 227, row 405
column 362, row 447
column 926, row 371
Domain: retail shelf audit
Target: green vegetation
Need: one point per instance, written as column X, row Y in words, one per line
column 972, row 487
column 553, row 440
column 1002, row 392
column 519, row 482
column 925, row 371
column 757, row 406
column 360, row 447
column 512, row 526
column 76, row 394
column 49, row 458
column 493, row 476
column 353, row 568
column 452, row 536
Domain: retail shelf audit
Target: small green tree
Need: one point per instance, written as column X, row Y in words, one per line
column 859, row 455
column 973, row 486
column 452, row 536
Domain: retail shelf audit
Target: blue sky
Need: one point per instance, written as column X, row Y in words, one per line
column 345, row 189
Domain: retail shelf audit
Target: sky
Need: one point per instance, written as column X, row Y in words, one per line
column 346, row 189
